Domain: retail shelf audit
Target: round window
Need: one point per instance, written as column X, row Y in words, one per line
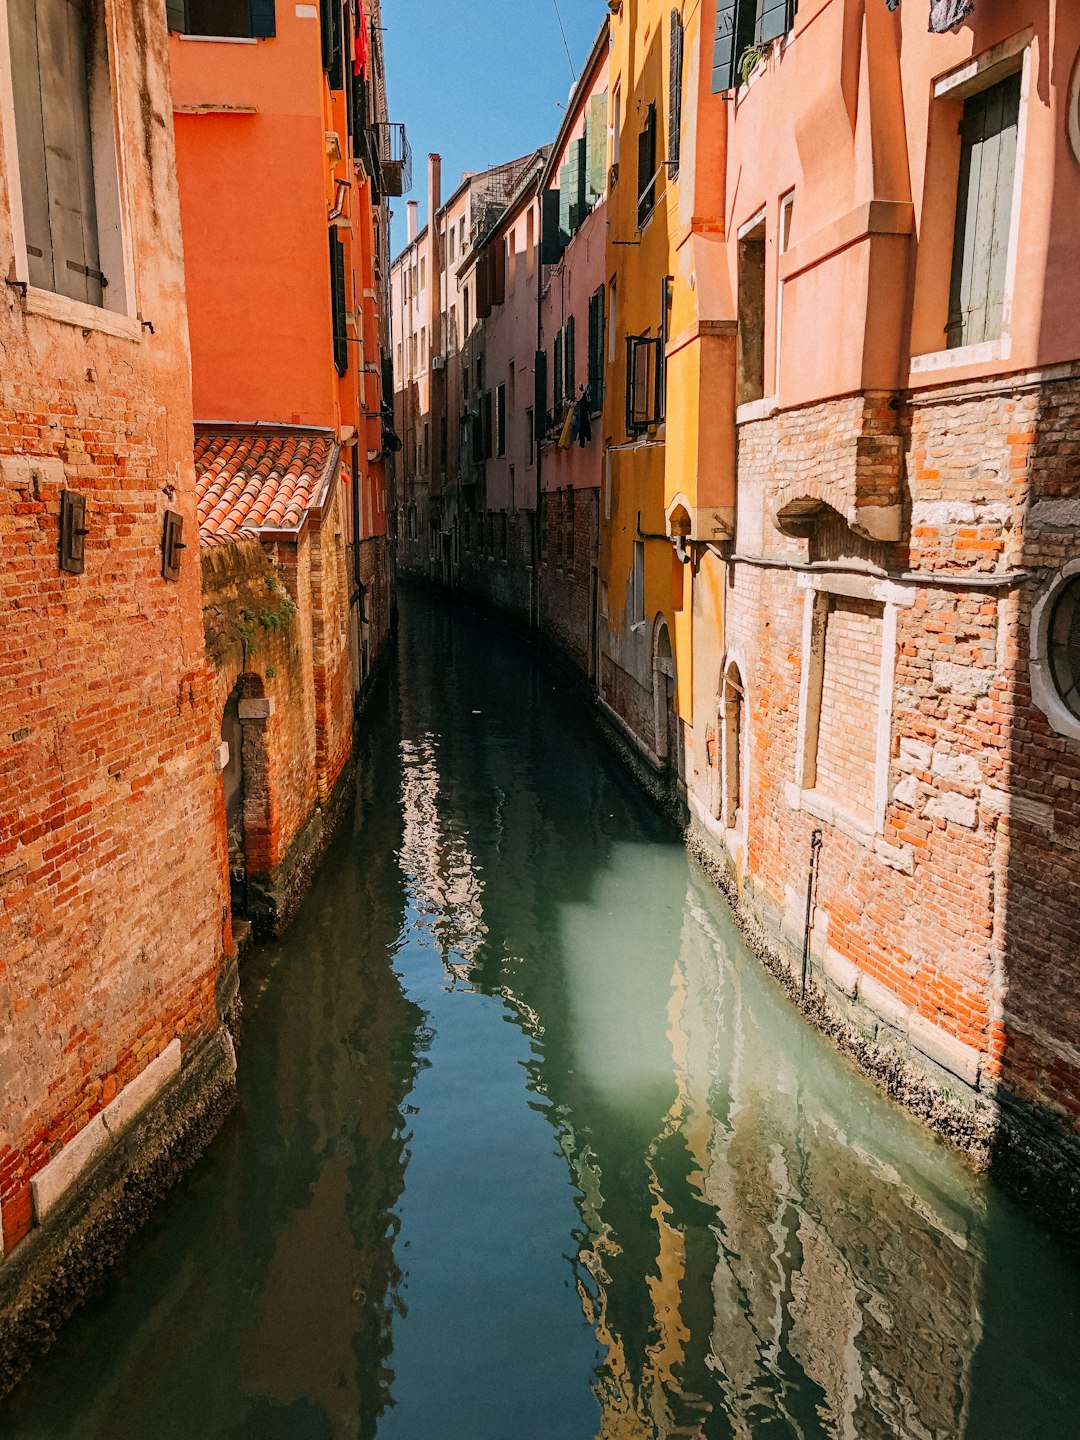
column 1064, row 646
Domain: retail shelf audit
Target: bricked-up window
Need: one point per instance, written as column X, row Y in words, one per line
column 984, row 207
column 229, row 19
column 841, row 756
column 65, row 137
column 750, row 356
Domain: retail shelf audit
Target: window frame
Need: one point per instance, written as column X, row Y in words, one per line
column 1044, row 688
column 123, row 322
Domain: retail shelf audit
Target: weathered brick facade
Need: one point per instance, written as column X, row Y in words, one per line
column 114, row 919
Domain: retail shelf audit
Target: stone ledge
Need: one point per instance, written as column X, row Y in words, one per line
column 50, row 1184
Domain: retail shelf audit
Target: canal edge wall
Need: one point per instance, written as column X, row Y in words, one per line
column 65, row 1261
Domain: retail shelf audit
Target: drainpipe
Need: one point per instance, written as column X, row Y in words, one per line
column 538, row 271
column 811, row 881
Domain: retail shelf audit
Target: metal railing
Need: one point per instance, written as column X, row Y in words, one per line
column 394, row 154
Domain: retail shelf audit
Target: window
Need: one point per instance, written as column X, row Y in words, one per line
column 731, row 712
column 675, row 93
column 423, row 274
column 333, row 44
column 557, row 374
column 530, row 424
column 637, row 586
column 229, row 19
column 666, row 292
column 1055, row 651
column 596, row 349
column 750, row 355
column 530, row 242
column 741, row 24
column 596, row 141
column 64, row 132
column 642, row 383
column 984, row 205
column 337, row 302
column 569, row 356
column 612, row 336
column 572, row 185
column 500, row 420
column 786, row 206
column 485, row 416
column 465, row 313
column 616, row 129
column 647, row 167
column 452, row 243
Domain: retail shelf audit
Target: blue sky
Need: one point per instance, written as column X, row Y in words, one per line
column 479, row 81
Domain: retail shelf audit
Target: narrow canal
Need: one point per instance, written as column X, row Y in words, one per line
column 529, row 1148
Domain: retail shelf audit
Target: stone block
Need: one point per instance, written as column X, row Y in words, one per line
column 258, row 709
column 884, row 1002
column 897, row 857
column 843, row 973
column 50, row 1183
column 914, row 754
column 968, row 682
column 907, row 792
column 945, row 1050
column 964, row 769
column 957, row 808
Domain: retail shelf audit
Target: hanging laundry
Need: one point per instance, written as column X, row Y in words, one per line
column 360, row 45
column 892, row 4
column 567, row 425
column 947, row 14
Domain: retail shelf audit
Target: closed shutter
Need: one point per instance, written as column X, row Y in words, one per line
column 596, row 347
column 570, row 354
column 551, row 245
column 557, row 374
column 735, row 30
column 176, row 15
column 984, row 204
column 675, row 71
column 596, row 148
column 564, row 206
column 330, row 23
column 263, row 19
column 647, row 167
column 540, row 390
column 500, row 420
column 498, row 270
column 774, row 18
column 576, row 166
column 337, row 303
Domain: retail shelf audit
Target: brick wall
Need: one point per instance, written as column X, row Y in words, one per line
column 113, row 901
column 568, row 596
column 955, row 927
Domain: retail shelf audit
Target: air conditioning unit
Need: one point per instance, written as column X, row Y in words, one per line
column 438, row 362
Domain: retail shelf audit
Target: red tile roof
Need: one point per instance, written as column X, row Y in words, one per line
column 250, row 480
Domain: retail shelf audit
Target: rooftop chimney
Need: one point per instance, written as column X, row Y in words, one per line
column 434, row 184
column 412, row 210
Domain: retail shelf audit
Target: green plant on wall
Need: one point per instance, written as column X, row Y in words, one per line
column 277, row 616
column 750, row 59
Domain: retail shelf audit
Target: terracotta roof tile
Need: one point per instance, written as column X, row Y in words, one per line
column 246, row 480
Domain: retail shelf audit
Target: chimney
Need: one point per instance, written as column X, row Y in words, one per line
column 412, row 210
column 434, row 185
column 434, row 180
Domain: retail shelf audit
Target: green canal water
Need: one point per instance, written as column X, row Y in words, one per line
column 529, row 1148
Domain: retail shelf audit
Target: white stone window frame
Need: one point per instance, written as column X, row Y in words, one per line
column 1044, row 691
column 124, row 323
column 980, row 73
column 802, row 793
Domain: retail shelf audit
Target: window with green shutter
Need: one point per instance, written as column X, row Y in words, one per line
column 984, row 208
column 569, row 349
column 596, row 349
column 575, row 164
column 557, row 374
column 741, row 24
column 551, row 241
column 596, row 135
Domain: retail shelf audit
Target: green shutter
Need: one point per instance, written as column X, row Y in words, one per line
column 539, row 392
column 565, row 230
column 735, row 30
column 551, row 245
column 596, row 348
column 176, row 15
column 596, row 148
column 337, row 302
column 576, row 165
column 984, row 203
column 774, row 18
column 263, row 20
column 557, row 374
column 570, row 351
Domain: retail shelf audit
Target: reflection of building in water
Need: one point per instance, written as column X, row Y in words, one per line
column 444, row 888
column 798, row 1271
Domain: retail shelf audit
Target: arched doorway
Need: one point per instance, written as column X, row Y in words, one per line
column 244, row 782
column 665, row 719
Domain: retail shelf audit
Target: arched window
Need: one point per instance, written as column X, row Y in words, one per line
column 731, row 708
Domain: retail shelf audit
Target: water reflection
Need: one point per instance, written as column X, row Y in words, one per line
column 530, row 1147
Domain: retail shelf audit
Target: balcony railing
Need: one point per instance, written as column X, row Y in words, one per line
column 394, row 155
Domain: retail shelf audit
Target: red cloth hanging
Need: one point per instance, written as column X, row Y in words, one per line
column 360, row 47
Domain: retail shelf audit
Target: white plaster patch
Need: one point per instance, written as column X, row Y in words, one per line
column 961, row 680
column 964, row 769
column 938, row 513
column 954, row 807
column 52, row 1182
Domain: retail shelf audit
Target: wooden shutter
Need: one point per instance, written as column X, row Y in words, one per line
column 176, row 15
column 52, row 131
column 647, row 167
column 596, row 341
column 263, row 19
column 576, row 166
column 498, row 270
column 984, row 204
column 675, row 74
column 500, row 419
column 569, row 355
column 551, row 246
column 596, row 148
column 330, row 23
column 557, row 374
column 735, row 30
column 539, row 391
column 337, row 303
column 774, row 18
column 564, row 206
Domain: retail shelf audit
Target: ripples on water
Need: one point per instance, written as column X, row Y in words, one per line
column 530, row 1147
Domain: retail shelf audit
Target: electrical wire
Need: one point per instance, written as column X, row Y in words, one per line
column 566, row 47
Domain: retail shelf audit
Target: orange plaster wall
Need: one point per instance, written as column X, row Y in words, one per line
column 255, row 232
